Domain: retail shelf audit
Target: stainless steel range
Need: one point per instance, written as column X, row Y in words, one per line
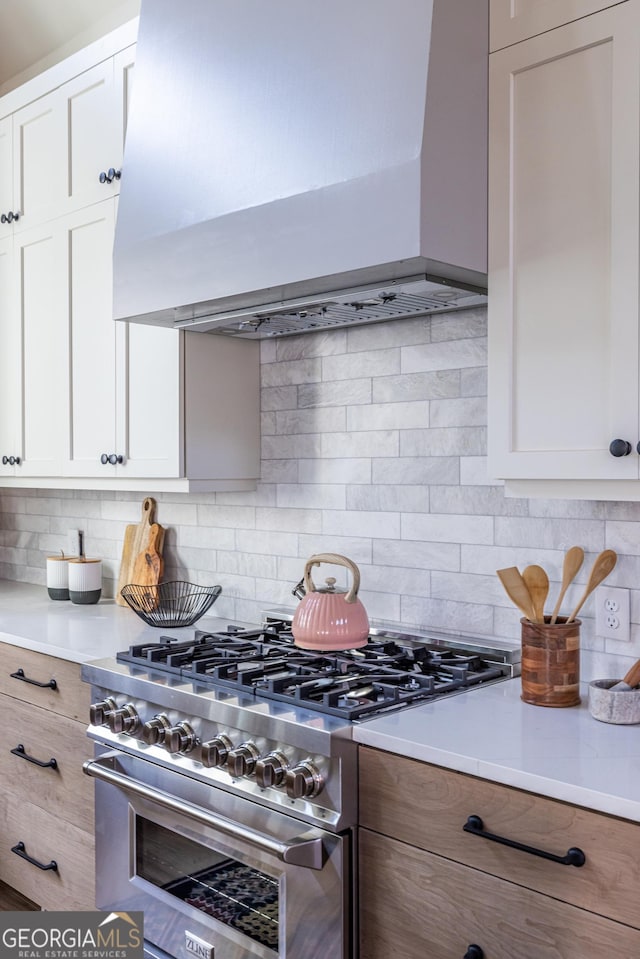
column 226, row 780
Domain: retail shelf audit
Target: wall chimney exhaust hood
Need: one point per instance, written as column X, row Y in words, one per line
column 292, row 165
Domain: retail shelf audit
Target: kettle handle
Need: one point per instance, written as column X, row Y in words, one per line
column 336, row 560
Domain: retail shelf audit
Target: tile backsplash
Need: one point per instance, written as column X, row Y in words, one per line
column 373, row 446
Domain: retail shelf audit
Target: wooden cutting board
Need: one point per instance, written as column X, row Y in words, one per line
column 149, row 565
column 136, row 539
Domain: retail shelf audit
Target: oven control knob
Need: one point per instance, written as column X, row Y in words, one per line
column 241, row 761
column 99, row 712
column 154, row 730
column 216, row 751
column 271, row 769
column 180, row 738
column 124, row 720
column 303, row 781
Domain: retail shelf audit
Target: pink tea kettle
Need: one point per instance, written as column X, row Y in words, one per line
column 330, row 618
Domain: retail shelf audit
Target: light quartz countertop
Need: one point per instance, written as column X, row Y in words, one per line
column 488, row 732
column 28, row 618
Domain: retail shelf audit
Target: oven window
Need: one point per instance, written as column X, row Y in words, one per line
column 223, row 888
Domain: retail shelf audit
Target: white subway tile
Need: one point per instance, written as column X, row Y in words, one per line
column 343, row 393
column 311, row 495
column 289, row 520
column 417, row 555
column 376, row 362
column 455, row 440
column 361, row 523
column 416, row 386
column 389, row 416
column 335, row 470
column 292, row 373
column 412, row 470
column 395, row 498
column 311, row 421
column 368, row 443
column 451, row 355
column 447, row 528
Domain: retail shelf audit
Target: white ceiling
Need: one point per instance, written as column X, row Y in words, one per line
column 35, row 34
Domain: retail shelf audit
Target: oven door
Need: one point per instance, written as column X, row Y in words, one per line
column 217, row 876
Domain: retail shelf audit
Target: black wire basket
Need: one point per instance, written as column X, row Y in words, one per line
column 170, row 605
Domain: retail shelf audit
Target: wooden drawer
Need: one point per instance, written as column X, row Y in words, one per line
column 511, row 22
column 415, row 904
column 70, row 697
column 64, row 791
column 427, row 807
column 46, row 838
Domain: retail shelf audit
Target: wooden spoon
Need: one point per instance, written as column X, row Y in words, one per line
column 630, row 681
column 602, row 566
column 573, row 560
column 517, row 590
column 537, row 582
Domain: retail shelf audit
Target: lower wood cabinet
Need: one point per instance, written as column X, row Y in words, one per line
column 430, row 890
column 46, row 805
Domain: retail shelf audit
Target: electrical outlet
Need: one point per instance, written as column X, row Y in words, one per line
column 612, row 613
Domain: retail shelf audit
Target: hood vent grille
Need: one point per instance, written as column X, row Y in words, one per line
column 411, row 298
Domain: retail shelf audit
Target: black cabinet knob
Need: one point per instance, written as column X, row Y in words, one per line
column 3, row 218
column 620, row 448
column 5, row 460
column 474, row 952
column 111, row 175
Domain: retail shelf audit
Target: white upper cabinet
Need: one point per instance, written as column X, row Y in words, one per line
column 514, row 20
column 564, row 258
column 85, row 401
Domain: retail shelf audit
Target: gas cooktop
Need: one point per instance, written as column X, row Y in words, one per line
column 391, row 671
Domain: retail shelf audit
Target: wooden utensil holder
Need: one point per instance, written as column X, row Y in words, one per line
column 551, row 662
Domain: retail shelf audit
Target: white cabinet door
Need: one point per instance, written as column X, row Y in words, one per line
column 150, row 387
column 564, row 255
column 42, row 319
column 94, row 137
column 96, row 106
column 514, row 20
column 10, row 365
column 39, row 159
column 126, row 382
column 88, row 241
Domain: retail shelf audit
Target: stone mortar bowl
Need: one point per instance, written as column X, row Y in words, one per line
column 621, row 707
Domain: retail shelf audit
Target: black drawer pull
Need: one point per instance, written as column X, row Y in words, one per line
column 574, row 856
column 19, row 674
column 20, row 850
column 23, row 754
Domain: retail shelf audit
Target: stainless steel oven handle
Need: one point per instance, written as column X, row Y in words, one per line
column 306, row 850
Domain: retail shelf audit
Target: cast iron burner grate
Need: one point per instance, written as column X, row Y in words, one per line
column 353, row 684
